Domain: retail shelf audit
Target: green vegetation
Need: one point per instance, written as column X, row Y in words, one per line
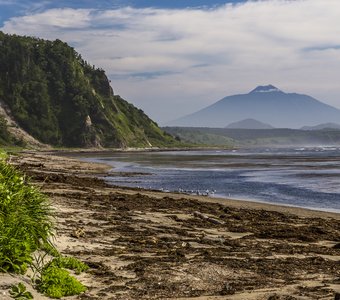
column 50, row 250
column 70, row 263
column 57, row 282
column 52, row 278
column 19, row 292
column 200, row 137
column 25, row 220
column 25, row 230
column 62, row 100
column 3, row 155
column 254, row 137
column 5, row 137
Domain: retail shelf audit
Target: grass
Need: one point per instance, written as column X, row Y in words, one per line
column 25, row 220
column 26, row 228
column 3, row 155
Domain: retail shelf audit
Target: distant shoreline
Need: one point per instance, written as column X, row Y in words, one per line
column 102, row 151
column 239, row 203
column 220, row 198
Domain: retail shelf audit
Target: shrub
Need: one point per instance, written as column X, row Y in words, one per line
column 57, row 282
column 26, row 226
column 70, row 263
column 25, row 220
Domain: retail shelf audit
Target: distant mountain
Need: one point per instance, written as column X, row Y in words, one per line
column 322, row 126
column 249, row 124
column 277, row 137
column 55, row 96
column 266, row 103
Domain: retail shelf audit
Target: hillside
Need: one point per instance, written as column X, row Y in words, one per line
column 52, row 93
column 5, row 136
column 249, row 124
column 228, row 137
column 325, row 126
column 266, row 104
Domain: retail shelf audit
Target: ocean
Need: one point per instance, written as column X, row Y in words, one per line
column 301, row 177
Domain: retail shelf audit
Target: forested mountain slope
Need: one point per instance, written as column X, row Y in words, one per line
column 62, row 100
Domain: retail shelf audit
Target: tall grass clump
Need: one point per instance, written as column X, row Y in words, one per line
column 25, row 220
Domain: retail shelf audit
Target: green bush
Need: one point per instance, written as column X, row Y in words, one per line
column 50, row 250
column 57, row 282
column 70, row 263
column 25, row 220
column 26, row 226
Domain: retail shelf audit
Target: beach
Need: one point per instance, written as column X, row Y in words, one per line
column 144, row 244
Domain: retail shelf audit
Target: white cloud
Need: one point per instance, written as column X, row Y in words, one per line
column 65, row 18
column 165, row 59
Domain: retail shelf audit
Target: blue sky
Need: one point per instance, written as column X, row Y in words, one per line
column 11, row 8
column 171, row 58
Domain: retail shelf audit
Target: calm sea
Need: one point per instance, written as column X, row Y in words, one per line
column 304, row 177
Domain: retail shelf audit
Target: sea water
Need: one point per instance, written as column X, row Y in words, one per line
column 303, row 177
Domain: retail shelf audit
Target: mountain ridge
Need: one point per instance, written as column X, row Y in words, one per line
column 324, row 126
column 249, row 124
column 265, row 89
column 276, row 107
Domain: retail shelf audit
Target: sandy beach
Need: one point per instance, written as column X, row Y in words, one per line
column 151, row 245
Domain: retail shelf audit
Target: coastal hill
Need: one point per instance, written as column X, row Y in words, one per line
column 249, row 124
column 56, row 97
column 324, row 126
column 266, row 104
column 241, row 137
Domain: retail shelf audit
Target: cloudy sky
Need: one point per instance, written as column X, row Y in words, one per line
column 174, row 57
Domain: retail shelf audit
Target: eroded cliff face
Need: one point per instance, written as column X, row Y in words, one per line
column 12, row 134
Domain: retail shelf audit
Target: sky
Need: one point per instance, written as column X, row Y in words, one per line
column 172, row 58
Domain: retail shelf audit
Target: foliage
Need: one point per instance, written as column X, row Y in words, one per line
column 49, row 249
column 62, row 100
column 3, row 155
column 53, row 280
column 25, row 227
column 70, row 263
column 5, row 136
column 25, row 220
column 56, row 282
column 19, row 292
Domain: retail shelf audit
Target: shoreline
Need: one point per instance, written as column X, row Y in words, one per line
column 143, row 244
column 237, row 203
column 249, row 203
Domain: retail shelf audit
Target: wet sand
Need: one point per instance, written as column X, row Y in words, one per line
column 152, row 245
